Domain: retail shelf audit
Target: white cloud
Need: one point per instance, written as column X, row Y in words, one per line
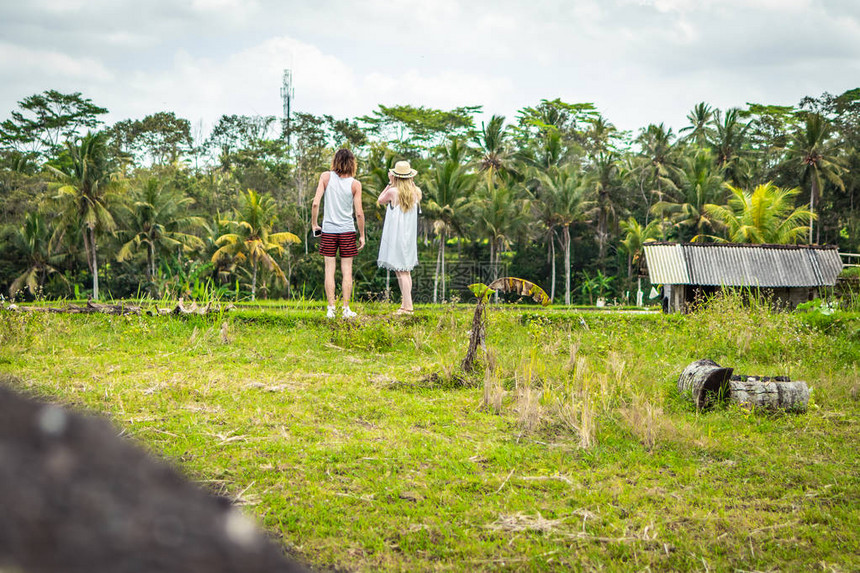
column 248, row 83
column 16, row 60
column 640, row 61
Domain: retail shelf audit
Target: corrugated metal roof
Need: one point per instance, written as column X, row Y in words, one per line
column 727, row 264
column 667, row 261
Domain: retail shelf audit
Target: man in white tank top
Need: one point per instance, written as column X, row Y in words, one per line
column 342, row 200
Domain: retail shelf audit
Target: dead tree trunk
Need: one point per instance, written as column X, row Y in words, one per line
column 476, row 337
column 703, row 382
column 778, row 393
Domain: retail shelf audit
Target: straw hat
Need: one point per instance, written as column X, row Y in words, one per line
column 403, row 170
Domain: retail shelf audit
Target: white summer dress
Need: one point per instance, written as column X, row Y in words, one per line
column 398, row 249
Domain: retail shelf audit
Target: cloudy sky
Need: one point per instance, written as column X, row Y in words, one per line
column 639, row 61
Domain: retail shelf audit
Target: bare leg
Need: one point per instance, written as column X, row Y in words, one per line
column 404, row 279
column 330, row 266
column 346, row 284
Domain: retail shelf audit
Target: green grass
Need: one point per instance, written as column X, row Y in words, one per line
column 361, row 447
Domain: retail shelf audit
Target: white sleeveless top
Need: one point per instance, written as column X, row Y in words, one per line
column 337, row 205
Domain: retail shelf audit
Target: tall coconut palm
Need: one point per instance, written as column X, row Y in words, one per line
column 85, row 195
column 657, row 165
column 598, row 136
column 563, row 189
column 544, row 226
column 765, row 215
column 816, row 153
column 729, row 141
column 701, row 183
column 499, row 216
column 448, row 189
column 493, row 144
column 253, row 240
column 34, row 241
column 602, row 180
column 157, row 217
column 699, row 129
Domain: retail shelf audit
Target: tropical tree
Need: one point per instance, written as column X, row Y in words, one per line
column 253, row 240
column 85, row 195
column 729, row 139
column 599, row 283
column 657, row 165
column 636, row 235
column 493, row 145
column 499, row 216
column 816, row 152
column 562, row 188
column 47, row 119
column 34, row 241
column 602, row 180
column 600, row 137
column 699, row 130
column 701, row 183
column 156, row 217
column 448, row 190
column 544, row 227
column 765, row 215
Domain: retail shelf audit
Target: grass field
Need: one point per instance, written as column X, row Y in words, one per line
column 362, row 447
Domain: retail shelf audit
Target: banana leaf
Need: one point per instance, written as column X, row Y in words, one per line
column 521, row 287
column 481, row 291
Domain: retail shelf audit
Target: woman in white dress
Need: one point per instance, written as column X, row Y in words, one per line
column 398, row 250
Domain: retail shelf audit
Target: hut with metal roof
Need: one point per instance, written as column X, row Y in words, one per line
column 791, row 274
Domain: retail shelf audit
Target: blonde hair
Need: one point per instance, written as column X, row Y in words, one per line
column 407, row 193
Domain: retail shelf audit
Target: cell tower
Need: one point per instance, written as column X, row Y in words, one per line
column 287, row 94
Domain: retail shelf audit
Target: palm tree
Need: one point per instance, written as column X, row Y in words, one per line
column 813, row 149
column 699, row 131
column 562, row 188
column 700, row 183
column 602, row 179
column 767, row 215
column 499, row 216
column 729, row 138
column 157, row 217
column 598, row 136
column 544, row 225
column 85, row 193
column 636, row 236
column 253, row 240
column 448, row 190
column 35, row 242
column 657, row 165
column 493, row 145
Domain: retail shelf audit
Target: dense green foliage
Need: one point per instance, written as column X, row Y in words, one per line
column 557, row 195
column 363, row 447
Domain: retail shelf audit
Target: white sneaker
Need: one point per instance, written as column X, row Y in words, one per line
column 348, row 313
column 330, row 312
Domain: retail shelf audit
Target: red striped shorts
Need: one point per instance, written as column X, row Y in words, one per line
column 331, row 243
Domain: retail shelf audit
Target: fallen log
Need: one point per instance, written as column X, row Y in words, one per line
column 704, row 382
column 89, row 308
column 777, row 393
column 121, row 309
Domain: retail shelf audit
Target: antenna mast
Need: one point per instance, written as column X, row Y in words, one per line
column 287, row 94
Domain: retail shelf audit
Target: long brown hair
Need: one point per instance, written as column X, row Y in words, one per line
column 344, row 163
